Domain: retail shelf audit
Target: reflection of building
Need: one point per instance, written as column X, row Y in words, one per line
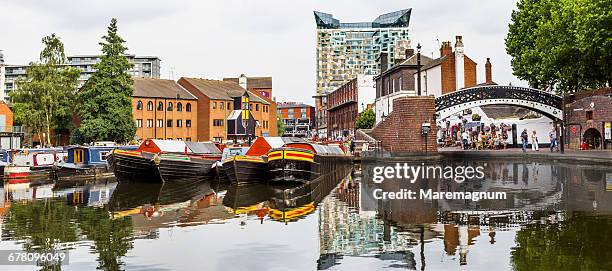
column 298, row 118
column 144, row 66
column 163, row 109
column 345, row 103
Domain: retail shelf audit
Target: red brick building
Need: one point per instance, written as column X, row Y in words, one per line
column 298, row 118
column 345, row 103
column 590, row 120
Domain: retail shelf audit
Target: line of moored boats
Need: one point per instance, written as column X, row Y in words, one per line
column 268, row 159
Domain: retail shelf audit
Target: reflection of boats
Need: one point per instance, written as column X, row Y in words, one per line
column 87, row 162
column 27, row 189
column 96, row 193
column 32, row 163
column 285, row 202
column 134, row 198
column 303, row 161
column 164, row 160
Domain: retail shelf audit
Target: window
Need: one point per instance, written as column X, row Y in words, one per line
column 179, row 107
column 179, row 123
column 160, row 123
column 188, row 107
column 169, row 123
column 256, row 107
column 160, row 106
column 217, row 139
column 221, row 105
column 139, row 123
column 139, row 105
column 169, row 106
column 214, row 105
column 217, row 122
column 149, row 123
column 187, row 123
column 150, row 106
column 169, row 138
column 229, row 106
column 179, row 139
column 589, row 115
column 188, row 139
column 104, row 155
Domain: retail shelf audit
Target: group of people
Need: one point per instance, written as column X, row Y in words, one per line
column 490, row 137
column 552, row 136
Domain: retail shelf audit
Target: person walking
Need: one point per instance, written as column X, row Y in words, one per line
column 464, row 140
column 553, row 139
column 534, row 141
column 524, row 138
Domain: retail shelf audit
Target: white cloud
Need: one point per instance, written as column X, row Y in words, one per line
column 215, row 39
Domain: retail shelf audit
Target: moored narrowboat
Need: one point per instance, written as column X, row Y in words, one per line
column 33, row 163
column 164, row 160
column 228, row 152
column 87, row 162
column 291, row 164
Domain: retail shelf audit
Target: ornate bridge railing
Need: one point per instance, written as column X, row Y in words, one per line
column 481, row 93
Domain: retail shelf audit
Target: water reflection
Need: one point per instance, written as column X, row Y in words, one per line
column 556, row 216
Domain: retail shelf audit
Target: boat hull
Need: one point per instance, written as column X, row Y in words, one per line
column 28, row 172
column 76, row 172
column 246, row 169
column 291, row 165
column 148, row 167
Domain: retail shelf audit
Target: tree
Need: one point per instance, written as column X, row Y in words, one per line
column 280, row 126
column 105, row 101
column 43, row 100
column 562, row 45
column 476, row 117
column 365, row 120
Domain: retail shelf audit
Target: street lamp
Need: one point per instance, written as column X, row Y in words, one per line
column 419, row 69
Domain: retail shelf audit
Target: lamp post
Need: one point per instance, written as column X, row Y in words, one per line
column 419, row 69
column 563, row 122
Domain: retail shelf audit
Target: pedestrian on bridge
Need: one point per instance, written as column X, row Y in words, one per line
column 524, row 138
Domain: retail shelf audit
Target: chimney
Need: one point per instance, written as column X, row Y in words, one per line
column 459, row 64
column 445, row 49
column 384, row 64
column 488, row 77
column 409, row 53
column 242, row 81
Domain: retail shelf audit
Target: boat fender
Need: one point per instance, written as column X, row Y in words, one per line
column 156, row 159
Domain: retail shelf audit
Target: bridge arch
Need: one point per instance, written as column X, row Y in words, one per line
column 545, row 103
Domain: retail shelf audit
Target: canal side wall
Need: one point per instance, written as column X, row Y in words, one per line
column 400, row 132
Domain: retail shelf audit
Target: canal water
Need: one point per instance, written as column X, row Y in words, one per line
column 556, row 216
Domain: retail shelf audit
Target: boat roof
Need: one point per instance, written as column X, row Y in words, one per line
column 178, row 146
column 327, row 149
column 265, row 143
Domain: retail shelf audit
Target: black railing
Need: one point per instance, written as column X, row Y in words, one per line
column 497, row 92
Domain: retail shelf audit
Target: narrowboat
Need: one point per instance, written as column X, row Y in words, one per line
column 164, row 160
column 228, row 152
column 252, row 167
column 87, row 162
column 302, row 162
column 33, row 163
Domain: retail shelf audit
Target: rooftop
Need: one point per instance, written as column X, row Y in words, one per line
column 220, row 90
column 254, row 82
column 291, row 104
column 400, row 18
column 160, row 88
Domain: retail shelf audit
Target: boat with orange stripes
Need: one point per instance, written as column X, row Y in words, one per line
column 164, row 160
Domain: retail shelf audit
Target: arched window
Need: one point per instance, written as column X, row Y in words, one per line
column 139, row 105
column 179, row 107
column 170, row 106
column 160, row 106
column 150, row 106
column 188, row 107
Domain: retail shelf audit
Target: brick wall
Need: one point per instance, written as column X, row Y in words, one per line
column 401, row 130
column 577, row 111
column 447, row 70
column 469, row 72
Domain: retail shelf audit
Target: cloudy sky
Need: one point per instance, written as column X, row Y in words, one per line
column 216, row 39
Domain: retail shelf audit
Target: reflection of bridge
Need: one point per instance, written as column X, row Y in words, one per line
column 547, row 104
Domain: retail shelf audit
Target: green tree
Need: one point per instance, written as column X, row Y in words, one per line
column 365, row 120
column 43, row 100
column 105, row 101
column 280, row 126
column 562, row 45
